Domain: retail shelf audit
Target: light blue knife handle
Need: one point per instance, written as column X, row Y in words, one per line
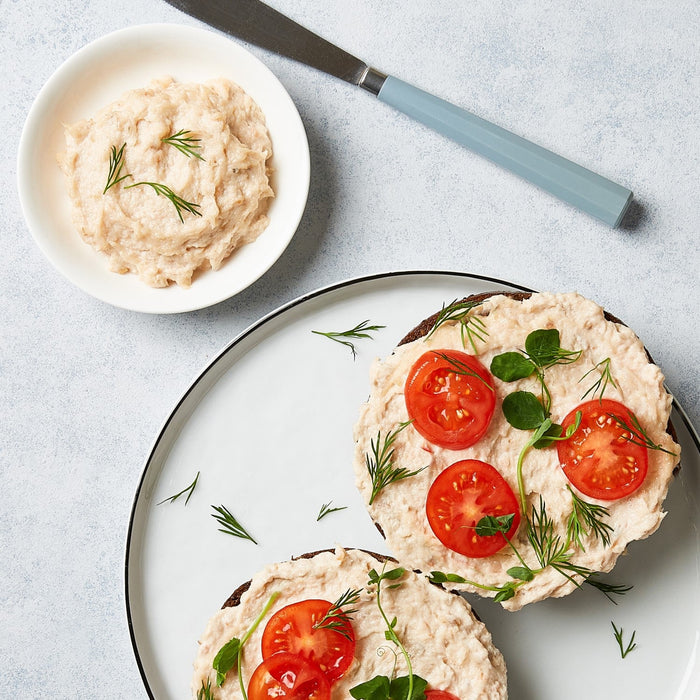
column 572, row 183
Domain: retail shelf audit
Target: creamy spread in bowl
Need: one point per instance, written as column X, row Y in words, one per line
column 159, row 210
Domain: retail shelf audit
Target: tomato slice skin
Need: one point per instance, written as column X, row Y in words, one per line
column 461, row 495
column 449, row 408
column 439, row 695
column 291, row 629
column 599, row 459
column 285, row 675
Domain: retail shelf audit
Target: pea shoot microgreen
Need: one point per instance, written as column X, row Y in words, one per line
column 472, row 327
column 637, row 435
column 408, row 687
column 380, row 463
column 229, row 524
column 116, row 163
column 230, row 654
column 178, row 202
column 360, row 331
column 326, row 510
column 337, row 618
column 597, row 389
column 631, row 646
column 542, row 350
column 184, row 143
column 189, row 490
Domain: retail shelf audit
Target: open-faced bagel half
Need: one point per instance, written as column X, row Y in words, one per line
column 410, row 424
column 447, row 645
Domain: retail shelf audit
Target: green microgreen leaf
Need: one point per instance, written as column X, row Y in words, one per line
column 491, row 525
column 543, row 348
column 523, row 410
column 377, row 688
column 230, row 653
column 510, row 366
column 440, row 577
column 189, row 490
column 549, row 436
column 522, row 573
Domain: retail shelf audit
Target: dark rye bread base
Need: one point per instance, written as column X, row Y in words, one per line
column 235, row 598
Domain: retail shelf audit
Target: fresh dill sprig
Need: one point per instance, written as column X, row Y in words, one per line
column 229, row 524
column 337, row 619
column 459, row 367
column 326, row 509
column 184, row 143
column 587, row 518
column 189, row 490
column 472, row 327
column 624, row 650
column 549, row 547
column 637, row 434
column 205, row 692
column 608, row 589
column 602, row 382
column 116, row 163
column 178, row 202
column 380, row 462
column 361, row 330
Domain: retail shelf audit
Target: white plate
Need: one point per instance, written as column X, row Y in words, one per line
column 100, row 73
column 269, row 426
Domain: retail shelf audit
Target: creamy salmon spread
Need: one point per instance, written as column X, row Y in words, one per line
column 223, row 174
column 448, row 646
column 400, row 508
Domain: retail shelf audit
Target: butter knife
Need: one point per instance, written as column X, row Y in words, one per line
column 257, row 23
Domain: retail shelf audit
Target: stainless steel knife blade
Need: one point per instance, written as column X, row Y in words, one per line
column 257, row 23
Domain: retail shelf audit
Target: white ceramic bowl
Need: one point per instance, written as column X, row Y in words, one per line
column 100, row 73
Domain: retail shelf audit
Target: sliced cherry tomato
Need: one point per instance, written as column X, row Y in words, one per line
column 461, row 496
column 285, row 675
column 439, row 695
column 599, row 459
column 292, row 629
column 450, row 401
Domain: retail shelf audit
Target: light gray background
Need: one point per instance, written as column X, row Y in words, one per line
column 85, row 387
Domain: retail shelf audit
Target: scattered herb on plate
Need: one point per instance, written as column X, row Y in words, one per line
column 189, row 490
column 360, row 331
column 624, row 650
column 326, row 510
column 229, row 524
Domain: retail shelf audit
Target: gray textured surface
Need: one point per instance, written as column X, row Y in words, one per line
column 614, row 86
